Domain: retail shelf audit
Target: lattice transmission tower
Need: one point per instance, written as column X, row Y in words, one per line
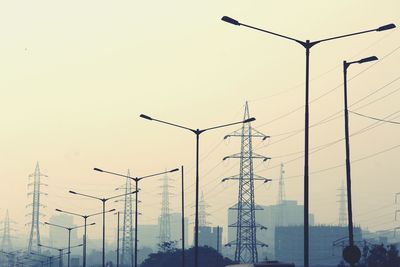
column 246, row 227
column 34, row 237
column 342, row 205
column 281, row 198
column 165, row 220
column 202, row 211
column 6, row 244
column 127, row 255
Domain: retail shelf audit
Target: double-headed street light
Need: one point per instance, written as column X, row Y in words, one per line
column 103, row 200
column 136, row 179
column 351, row 253
column 197, row 132
column 69, row 229
column 307, row 45
column 85, row 217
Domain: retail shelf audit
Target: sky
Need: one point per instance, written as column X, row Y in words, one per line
column 76, row 75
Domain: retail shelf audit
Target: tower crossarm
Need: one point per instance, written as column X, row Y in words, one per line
column 253, row 156
column 255, row 133
column 255, row 178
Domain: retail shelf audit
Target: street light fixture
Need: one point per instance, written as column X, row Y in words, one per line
column 307, row 45
column 197, row 132
column 352, row 251
column 136, row 179
column 103, row 200
column 85, row 217
column 69, row 235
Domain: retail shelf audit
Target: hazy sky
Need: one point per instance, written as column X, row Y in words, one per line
column 75, row 75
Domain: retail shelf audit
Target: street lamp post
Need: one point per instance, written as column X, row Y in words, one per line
column 307, row 45
column 85, row 217
column 69, row 236
column 103, row 200
column 197, row 132
column 136, row 179
column 351, row 253
column 183, row 217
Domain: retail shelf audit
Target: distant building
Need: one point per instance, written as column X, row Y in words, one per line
column 285, row 214
column 176, row 229
column 210, row 236
column 289, row 242
column 75, row 262
column 148, row 235
column 58, row 237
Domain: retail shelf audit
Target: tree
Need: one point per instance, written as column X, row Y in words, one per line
column 208, row 257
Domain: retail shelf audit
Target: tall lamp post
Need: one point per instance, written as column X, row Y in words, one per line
column 352, row 253
column 69, row 229
column 103, row 200
column 136, row 179
column 85, row 217
column 307, row 46
column 197, row 133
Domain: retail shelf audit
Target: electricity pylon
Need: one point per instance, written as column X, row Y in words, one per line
column 6, row 244
column 342, row 205
column 165, row 220
column 281, row 198
column 127, row 255
column 246, row 227
column 34, row 237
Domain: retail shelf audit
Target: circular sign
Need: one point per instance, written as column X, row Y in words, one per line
column 351, row 254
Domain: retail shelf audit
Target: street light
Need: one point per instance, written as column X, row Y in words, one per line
column 307, row 45
column 85, row 217
column 60, row 250
column 69, row 235
column 197, row 132
column 352, row 251
column 136, row 179
column 103, row 200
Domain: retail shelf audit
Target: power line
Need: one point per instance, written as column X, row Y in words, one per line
column 373, row 118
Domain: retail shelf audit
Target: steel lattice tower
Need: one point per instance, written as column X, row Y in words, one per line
column 127, row 255
column 281, row 197
column 34, row 237
column 164, row 220
column 6, row 244
column 342, row 205
column 202, row 211
column 246, row 242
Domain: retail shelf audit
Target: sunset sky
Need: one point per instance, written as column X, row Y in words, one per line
column 76, row 75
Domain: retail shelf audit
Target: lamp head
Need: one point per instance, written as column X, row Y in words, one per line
column 386, row 27
column 98, row 170
column 58, row 210
column 367, row 59
column 72, row 192
column 230, row 20
column 46, row 223
column 92, row 223
column 249, row 120
column 174, row 170
column 146, row 117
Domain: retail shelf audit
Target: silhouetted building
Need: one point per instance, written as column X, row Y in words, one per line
column 75, row 262
column 210, row 236
column 289, row 243
column 58, row 237
column 176, row 229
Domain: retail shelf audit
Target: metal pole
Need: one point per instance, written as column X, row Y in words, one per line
column 84, row 243
column 183, row 219
column 104, row 230
column 306, row 138
column 61, row 263
column 118, row 242
column 348, row 174
column 196, row 222
column 69, row 246
column 136, row 218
